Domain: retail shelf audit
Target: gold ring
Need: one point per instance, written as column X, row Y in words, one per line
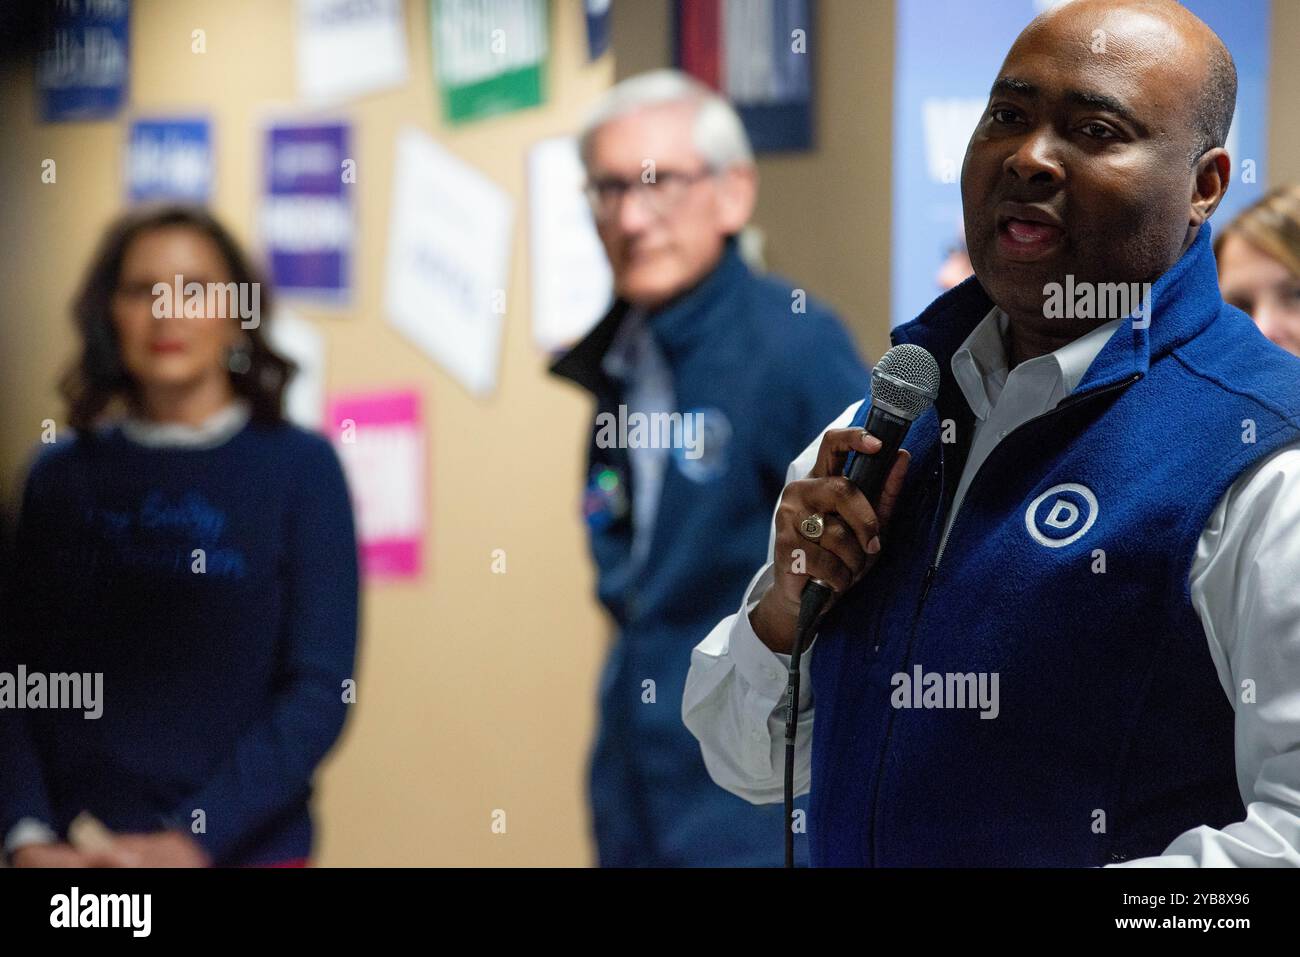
column 812, row 527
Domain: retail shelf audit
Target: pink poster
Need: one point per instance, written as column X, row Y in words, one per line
column 380, row 438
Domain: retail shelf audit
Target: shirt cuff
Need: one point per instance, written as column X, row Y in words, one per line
column 761, row 668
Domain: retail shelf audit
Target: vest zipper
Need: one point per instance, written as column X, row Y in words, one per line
column 928, row 580
column 1068, row 402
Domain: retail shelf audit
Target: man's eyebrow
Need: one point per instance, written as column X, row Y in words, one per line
column 1101, row 101
column 1011, row 84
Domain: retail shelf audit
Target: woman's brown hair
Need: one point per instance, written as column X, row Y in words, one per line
column 98, row 377
column 1272, row 225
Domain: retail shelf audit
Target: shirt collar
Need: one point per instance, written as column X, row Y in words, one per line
column 620, row 357
column 1183, row 302
column 213, row 431
column 980, row 365
column 691, row 318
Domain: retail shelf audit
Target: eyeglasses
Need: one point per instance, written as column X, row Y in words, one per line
column 660, row 194
column 135, row 291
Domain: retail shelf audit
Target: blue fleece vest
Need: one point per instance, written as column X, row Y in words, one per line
column 1065, row 574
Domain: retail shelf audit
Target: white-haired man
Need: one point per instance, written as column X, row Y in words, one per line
column 717, row 371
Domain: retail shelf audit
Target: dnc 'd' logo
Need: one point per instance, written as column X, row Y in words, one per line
column 1061, row 515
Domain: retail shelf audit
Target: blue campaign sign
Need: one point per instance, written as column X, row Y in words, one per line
column 169, row 159
column 307, row 216
column 82, row 73
column 947, row 54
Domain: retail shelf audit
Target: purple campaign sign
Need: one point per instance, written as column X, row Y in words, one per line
column 307, row 216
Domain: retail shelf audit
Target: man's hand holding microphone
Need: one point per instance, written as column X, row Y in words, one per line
column 829, row 525
column 840, row 548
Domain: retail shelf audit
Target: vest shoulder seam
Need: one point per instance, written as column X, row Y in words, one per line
column 1288, row 416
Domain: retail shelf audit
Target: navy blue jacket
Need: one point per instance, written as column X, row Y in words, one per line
column 764, row 374
column 1114, row 734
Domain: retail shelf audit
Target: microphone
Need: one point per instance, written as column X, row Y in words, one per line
column 904, row 383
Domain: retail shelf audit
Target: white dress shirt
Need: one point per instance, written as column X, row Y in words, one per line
column 1243, row 584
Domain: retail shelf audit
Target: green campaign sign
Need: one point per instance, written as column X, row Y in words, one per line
column 490, row 55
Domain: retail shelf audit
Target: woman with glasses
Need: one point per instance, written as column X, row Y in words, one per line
column 186, row 560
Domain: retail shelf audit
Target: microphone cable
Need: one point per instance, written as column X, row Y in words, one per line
column 904, row 383
column 811, row 603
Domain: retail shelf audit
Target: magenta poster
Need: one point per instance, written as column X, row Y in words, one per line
column 380, row 439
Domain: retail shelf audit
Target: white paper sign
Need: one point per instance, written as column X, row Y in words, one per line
column 346, row 48
column 301, row 342
column 448, row 260
column 571, row 280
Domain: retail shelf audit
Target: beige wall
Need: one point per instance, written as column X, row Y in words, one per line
column 476, row 690
column 1284, row 95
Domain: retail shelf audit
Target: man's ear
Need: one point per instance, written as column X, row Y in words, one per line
column 737, row 196
column 1213, row 174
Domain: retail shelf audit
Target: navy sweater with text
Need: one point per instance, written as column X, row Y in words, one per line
column 216, row 591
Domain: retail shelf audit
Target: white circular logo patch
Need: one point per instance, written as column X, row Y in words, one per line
column 1061, row 515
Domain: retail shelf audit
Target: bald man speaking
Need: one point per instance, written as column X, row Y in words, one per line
column 1069, row 634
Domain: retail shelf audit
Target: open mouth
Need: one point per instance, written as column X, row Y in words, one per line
column 1025, row 240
